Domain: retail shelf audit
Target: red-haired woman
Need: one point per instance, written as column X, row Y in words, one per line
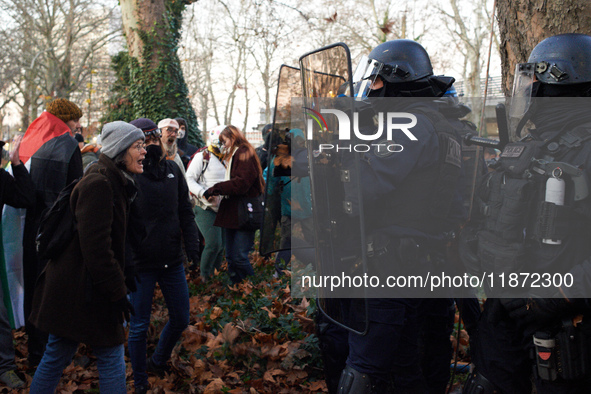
column 244, row 178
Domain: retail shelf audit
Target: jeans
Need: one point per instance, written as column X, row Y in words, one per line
column 238, row 245
column 58, row 355
column 213, row 252
column 174, row 288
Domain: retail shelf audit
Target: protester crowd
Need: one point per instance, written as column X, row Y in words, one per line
column 135, row 228
column 148, row 207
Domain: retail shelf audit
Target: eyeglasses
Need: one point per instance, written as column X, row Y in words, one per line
column 172, row 130
column 139, row 146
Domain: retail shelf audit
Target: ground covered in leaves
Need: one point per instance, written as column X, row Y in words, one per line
column 248, row 338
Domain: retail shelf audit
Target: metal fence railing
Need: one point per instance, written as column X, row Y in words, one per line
column 495, row 87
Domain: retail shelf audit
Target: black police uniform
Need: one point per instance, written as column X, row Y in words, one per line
column 515, row 221
column 405, row 201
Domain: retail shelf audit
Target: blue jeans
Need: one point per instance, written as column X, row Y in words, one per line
column 238, row 245
column 174, row 288
column 58, row 355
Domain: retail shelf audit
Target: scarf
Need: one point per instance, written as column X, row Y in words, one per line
column 215, row 151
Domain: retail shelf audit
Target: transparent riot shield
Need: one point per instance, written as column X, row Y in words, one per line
column 278, row 176
column 334, row 179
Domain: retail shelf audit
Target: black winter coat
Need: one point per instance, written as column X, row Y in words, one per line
column 166, row 212
column 75, row 294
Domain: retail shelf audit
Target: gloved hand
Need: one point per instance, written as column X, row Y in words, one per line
column 122, row 309
column 537, row 311
column 207, row 194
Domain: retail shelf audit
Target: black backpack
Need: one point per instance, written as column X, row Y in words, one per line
column 57, row 227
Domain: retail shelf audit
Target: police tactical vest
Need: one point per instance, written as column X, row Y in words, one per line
column 510, row 201
column 424, row 199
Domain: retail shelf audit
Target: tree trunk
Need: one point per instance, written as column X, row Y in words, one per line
column 157, row 88
column 143, row 17
column 524, row 23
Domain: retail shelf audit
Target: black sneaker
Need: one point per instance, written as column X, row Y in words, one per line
column 141, row 389
column 158, row 370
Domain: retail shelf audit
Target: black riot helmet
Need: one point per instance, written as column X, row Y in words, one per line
column 564, row 59
column 403, row 61
column 404, row 66
column 558, row 66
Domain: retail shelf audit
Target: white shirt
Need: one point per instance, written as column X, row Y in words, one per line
column 198, row 182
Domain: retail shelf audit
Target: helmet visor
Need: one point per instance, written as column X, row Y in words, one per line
column 365, row 75
column 522, row 90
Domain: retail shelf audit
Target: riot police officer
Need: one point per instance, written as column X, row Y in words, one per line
column 409, row 208
column 522, row 229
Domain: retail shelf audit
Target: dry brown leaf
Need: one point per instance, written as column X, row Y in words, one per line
column 69, row 387
column 295, row 375
column 215, row 313
column 230, row 333
column 192, row 339
column 206, row 376
column 271, row 314
column 214, row 387
column 233, row 378
column 305, row 303
column 319, row 385
column 257, row 385
column 217, row 370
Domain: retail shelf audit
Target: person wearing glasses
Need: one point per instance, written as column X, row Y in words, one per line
column 81, row 295
column 163, row 208
column 170, row 130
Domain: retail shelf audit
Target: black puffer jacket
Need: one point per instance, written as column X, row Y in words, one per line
column 166, row 213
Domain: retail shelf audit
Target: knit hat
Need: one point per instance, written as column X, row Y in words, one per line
column 145, row 124
column 64, row 110
column 117, row 136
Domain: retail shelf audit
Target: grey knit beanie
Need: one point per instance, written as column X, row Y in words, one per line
column 118, row 136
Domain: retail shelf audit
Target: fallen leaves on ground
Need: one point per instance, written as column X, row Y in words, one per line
column 247, row 338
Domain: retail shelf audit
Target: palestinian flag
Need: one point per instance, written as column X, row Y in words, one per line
column 43, row 129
